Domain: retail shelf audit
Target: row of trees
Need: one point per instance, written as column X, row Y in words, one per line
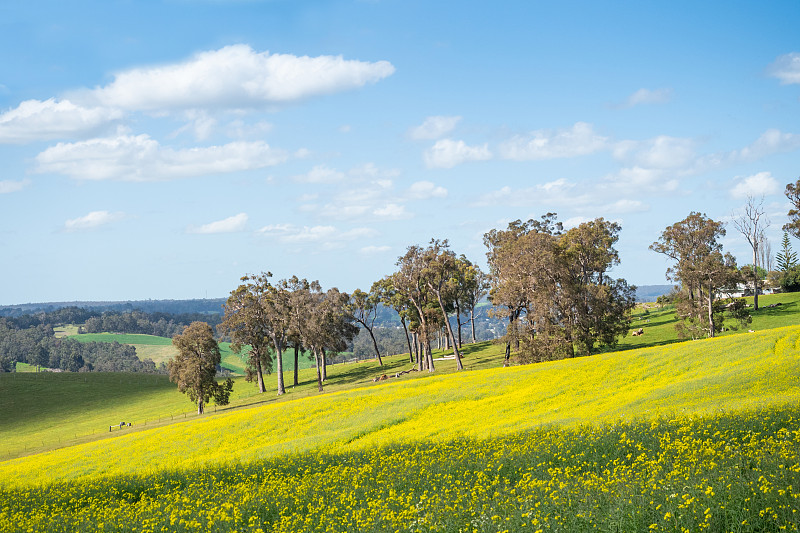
column 266, row 319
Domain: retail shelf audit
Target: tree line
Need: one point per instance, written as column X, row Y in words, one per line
column 38, row 346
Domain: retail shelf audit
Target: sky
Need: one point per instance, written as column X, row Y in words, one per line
column 164, row 149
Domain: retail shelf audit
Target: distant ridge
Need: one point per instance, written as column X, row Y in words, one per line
column 649, row 293
column 200, row 305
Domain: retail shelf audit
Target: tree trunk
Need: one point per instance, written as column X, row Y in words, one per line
column 279, row 355
column 472, row 323
column 710, row 311
column 259, row 374
column 755, row 278
column 410, row 353
column 375, row 345
column 324, row 365
column 449, row 329
column 319, row 372
column 296, row 360
column 429, row 356
column 458, row 323
column 199, row 406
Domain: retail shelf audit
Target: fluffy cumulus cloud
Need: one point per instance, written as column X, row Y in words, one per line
column 140, row 158
column 761, row 184
column 447, row 153
column 227, row 225
column 93, row 220
column 786, row 68
column 9, row 186
column 578, row 140
column 236, row 77
column 649, row 96
column 434, row 128
column 35, row 120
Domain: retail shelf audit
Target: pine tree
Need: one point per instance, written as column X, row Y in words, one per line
column 786, row 258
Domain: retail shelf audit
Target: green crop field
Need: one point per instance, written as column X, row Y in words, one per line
column 161, row 350
column 674, row 436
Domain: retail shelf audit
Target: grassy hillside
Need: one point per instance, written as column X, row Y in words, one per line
column 676, row 436
column 734, row 373
column 161, row 350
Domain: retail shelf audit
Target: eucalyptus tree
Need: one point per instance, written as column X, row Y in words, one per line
column 364, row 308
column 245, row 322
column 409, row 280
column 302, row 293
column 389, row 296
column 473, row 285
column 278, row 314
column 439, row 268
column 194, row 369
column 329, row 327
column 701, row 268
column 793, row 194
column 561, row 301
column 752, row 224
column 598, row 306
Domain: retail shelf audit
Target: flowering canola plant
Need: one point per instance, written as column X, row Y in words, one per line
column 694, row 436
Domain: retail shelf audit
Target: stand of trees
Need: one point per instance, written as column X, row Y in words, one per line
column 267, row 317
column 552, row 286
column 39, row 347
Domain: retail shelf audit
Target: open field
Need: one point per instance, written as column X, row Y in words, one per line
column 677, row 436
column 734, row 373
column 161, row 350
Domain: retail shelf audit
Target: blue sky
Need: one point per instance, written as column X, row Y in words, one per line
column 163, row 149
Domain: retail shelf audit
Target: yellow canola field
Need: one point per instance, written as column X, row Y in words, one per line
column 741, row 372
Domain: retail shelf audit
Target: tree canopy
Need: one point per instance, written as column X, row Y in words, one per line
column 194, row 369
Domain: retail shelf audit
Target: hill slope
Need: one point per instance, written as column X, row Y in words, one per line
column 730, row 373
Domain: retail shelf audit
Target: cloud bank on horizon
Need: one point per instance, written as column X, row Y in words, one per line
column 183, row 160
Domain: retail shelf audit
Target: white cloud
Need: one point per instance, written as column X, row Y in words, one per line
column 9, row 186
column 761, row 184
column 770, row 142
column 421, row 190
column 636, row 180
column 326, row 236
column 320, row 174
column 374, row 250
column 660, row 152
column 447, row 153
column 554, row 192
column 391, row 211
column 547, row 144
column 140, row 158
column 34, row 120
column 93, row 220
column 647, row 96
column 434, row 128
column 236, row 77
column 786, row 68
column 228, row 225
